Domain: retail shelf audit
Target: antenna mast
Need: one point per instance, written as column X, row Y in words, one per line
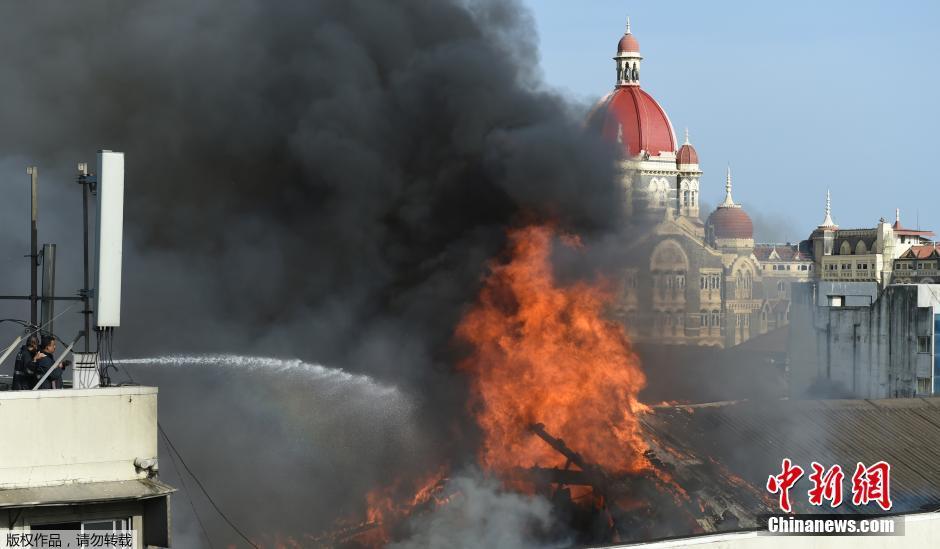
column 33, row 173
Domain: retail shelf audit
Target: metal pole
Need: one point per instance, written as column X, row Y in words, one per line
column 33, row 173
column 83, row 179
column 10, row 349
column 48, row 287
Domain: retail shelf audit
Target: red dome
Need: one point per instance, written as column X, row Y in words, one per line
column 628, row 44
column 686, row 155
column 730, row 222
column 639, row 120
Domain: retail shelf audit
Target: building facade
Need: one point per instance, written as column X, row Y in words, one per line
column 690, row 282
column 854, row 340
column 707, row 283
column 862, row 255
column 918, row 265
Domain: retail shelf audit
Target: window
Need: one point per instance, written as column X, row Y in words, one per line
column 846, row 266
column 863, row 266
column 112, row 525
column 836, row 300
column 923, row 386
column 101, row 525
column 923, row 344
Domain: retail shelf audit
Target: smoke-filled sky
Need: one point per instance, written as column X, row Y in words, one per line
column 323, row 177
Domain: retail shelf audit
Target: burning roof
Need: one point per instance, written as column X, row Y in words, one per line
column 746, row 441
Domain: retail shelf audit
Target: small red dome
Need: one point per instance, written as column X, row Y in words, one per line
column 631, row 114
column 730, row 222
column 628, row 44
column 687, row 155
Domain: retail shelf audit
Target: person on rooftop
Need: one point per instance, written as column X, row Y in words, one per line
column 45, row 360
column 23, row 367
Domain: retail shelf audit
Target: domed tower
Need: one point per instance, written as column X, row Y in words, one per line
column 643, row 134
column 729, row 228
column 689, row 174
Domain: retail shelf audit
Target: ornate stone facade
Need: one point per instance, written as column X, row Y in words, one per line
column 690, row 283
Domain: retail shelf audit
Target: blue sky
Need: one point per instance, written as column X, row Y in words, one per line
column 798, row 97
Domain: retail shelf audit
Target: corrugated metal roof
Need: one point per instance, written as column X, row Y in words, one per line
column 750, row 439
column 84, row 492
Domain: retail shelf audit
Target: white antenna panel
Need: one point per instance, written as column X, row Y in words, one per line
column 110, row 238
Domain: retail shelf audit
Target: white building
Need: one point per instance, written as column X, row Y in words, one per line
column 82, row 459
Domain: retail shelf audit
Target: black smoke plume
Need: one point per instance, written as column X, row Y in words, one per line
column 322, row 179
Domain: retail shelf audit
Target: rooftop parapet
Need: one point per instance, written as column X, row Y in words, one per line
column 55, row 437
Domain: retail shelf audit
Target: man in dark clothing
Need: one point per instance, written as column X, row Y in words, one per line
column 44, row 360
column 24, row 369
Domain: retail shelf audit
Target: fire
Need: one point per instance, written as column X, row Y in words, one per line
column 548, row 354
column 553, row 383
column 385, row 507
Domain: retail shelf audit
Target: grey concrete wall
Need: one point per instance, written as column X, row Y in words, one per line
column 862, row 351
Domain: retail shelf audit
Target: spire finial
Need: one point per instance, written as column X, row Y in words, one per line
column 897, row 216
column 828, row 221
column 687, row 136
column 628, row 24
column 729, row 202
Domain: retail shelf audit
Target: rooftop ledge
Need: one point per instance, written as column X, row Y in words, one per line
column 77, row 393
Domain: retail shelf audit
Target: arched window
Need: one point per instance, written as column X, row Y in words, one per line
column 861, row 248
column 846, row 248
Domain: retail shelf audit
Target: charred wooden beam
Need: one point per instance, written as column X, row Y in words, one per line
column 559, row 446
column 553, row 475
column 593, row 471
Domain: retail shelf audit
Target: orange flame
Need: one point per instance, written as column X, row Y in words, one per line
column 548, row 354
column 385, row 508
